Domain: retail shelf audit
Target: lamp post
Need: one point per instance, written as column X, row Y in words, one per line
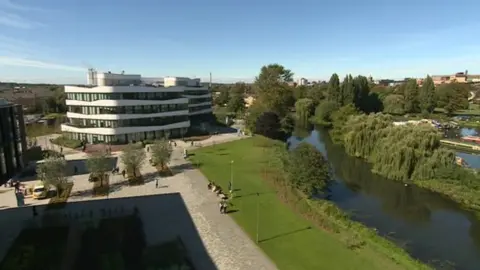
column 258, row 214
column 231, row 176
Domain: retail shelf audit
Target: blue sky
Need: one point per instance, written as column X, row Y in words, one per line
column 56, row 40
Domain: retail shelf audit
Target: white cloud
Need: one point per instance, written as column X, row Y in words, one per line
column 9, row 4
column 14, row 20
column 21, row 62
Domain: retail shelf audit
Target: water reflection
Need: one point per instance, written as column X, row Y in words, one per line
column 427, row 223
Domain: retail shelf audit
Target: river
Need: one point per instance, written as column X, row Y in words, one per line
column 430, row 227
column 473, row 160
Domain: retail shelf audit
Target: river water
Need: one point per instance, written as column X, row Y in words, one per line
column 472, row 159
column 430, row 227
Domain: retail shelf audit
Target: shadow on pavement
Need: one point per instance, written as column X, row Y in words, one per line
column 163, row 218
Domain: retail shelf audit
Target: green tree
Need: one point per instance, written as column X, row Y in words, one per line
column 362, row 90
column 272, row 89
column 323, row 112
column 427, row 96
column 348, row 91
column 394, row 104
column 133, row 157
column 161, row 152
column 456, row 97
column 222, row 97
column 53, row 172
column 411, row 97
column 236, row 103
column 99, row 164
column 307, row 169
column 333, row 91
column 304, row 109
column 339, row 119
column 300, row 92
column 268, row 124
column 253, row 112
column 317, row 93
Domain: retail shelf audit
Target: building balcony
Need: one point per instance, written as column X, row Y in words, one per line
column 125, row 116
column 121, row 130
column 124, row 102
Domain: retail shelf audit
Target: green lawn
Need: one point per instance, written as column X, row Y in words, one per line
column 284, row 236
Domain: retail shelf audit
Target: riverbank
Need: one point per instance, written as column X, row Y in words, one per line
column 287, row 230
column 408, row 154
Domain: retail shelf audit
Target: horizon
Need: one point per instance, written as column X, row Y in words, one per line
column 57, row 42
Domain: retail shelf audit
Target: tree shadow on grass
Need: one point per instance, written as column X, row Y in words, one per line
column 285, row 234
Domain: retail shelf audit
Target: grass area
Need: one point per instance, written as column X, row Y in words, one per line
column 291, row 241
column 37, row 249
column 101, row 187
column 36, row 130
column 67, row 142
column 61, row 200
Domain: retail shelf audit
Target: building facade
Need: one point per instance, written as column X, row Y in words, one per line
column 121, row 108
column 12, row 140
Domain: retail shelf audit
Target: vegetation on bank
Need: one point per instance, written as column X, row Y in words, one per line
column 406, row 153
column 296, row 231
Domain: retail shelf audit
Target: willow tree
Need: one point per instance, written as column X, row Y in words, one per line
column 161, row 153
column 304, row 109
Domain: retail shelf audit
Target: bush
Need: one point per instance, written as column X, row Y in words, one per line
column 67, row 142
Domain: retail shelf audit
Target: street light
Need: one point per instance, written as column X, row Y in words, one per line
column 258, row 213
column 231, row 176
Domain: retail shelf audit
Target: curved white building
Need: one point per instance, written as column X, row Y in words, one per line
column 120, row 108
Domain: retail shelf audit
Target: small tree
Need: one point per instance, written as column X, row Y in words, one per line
column 133, row 157
column 161, row 152
column 53, row 172
column 98, row 163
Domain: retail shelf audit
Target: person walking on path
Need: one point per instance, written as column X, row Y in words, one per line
column 61, row 150
column 156, row 183
column 123, row 173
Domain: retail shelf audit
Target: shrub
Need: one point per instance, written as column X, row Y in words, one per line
column 67, row 142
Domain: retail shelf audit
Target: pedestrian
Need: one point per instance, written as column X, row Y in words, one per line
column 175, row 144
column 148, row 149
column 221, row 207
column 156, row 183
column 75, row 170
column 61, row 149
column 191, row 143
column 123, row 173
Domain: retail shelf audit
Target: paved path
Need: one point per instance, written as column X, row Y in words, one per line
column 226, row 243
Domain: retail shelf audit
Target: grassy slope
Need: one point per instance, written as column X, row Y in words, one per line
column 283, row 235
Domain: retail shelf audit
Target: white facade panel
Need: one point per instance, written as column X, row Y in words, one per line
column 201, row 112
column 200, row 104
column 124, row 116
column 122, row 130
column 122, row 89
column 124, row 102
column 198, row 96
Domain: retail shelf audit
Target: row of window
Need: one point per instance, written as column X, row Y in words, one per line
column 143, row 122
column 199, row 100
column 119, row 96
column 199, row 108
column 126, row 138
column 140, row 109
column 196, row 92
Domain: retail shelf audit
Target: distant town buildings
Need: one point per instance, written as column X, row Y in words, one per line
column 459, row 77
column 12, row 140
column 120, row 108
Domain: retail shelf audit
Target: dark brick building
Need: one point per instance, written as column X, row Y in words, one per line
column 12, row 139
